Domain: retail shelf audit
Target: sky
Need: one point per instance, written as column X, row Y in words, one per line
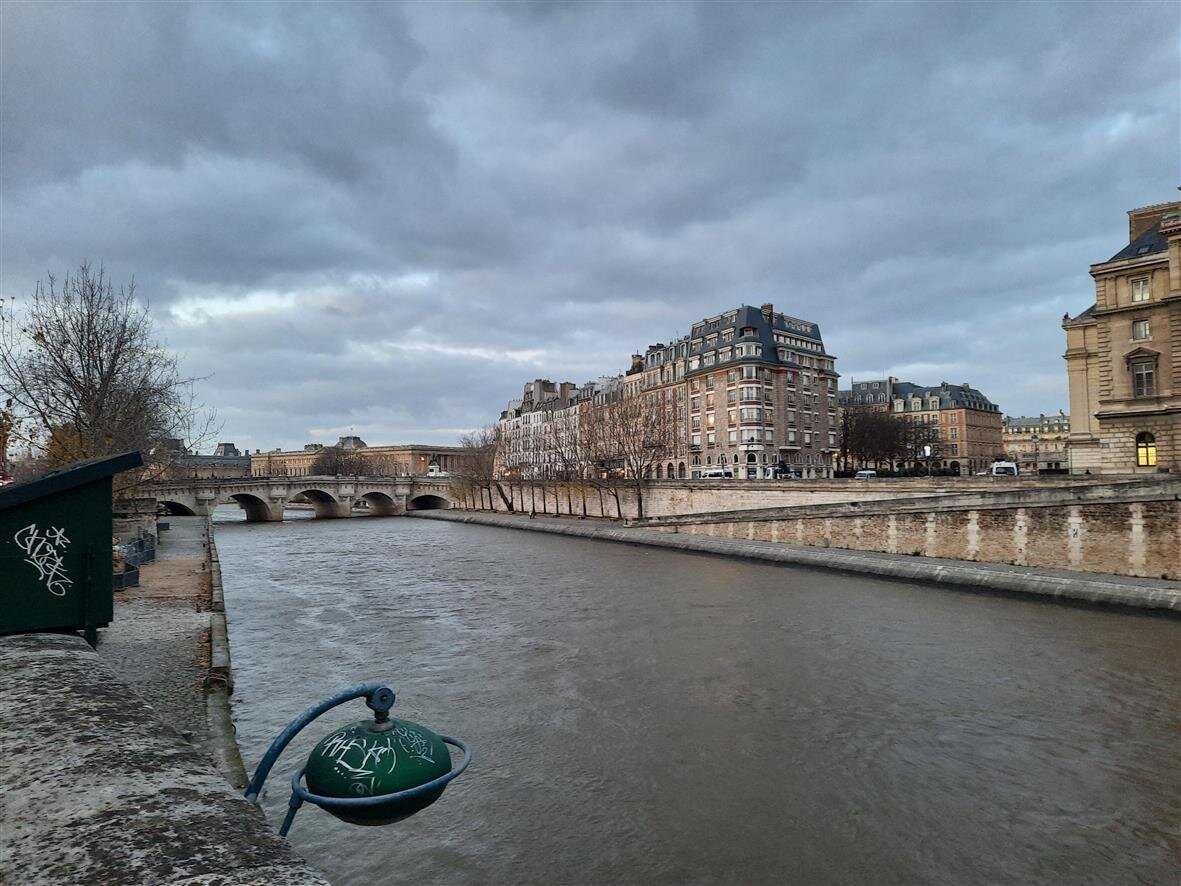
column 383, row 219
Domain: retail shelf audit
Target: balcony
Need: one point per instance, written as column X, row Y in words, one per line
column 751, row 447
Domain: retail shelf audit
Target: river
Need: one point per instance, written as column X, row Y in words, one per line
column 647, row 716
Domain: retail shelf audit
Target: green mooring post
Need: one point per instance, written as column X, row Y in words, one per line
column 55, row 549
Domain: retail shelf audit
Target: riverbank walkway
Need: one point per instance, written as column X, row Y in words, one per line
column 1060, row 584
column 108, row 767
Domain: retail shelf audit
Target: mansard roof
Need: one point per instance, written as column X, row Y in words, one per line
column 1148, row 243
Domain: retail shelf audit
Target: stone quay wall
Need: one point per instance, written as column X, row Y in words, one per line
column 665, row 498
column 1157, row 596
column 1131, row 528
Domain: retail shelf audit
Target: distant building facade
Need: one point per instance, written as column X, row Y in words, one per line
column 966, row 426
column 1038, row 443
column 751, row 391
column 412, row 458
column 1123, row 354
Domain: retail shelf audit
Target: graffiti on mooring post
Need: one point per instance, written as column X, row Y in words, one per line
column 43, row 549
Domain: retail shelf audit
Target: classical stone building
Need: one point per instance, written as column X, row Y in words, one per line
column 413, row 458
column 1123, row 354
column 967, row 425
column 1037, row 443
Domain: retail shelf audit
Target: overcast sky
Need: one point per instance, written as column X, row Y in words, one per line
column 383, row 219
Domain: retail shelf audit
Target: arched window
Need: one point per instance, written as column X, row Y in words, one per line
column 659, row 472
column 681, row 471
column 1145, row 450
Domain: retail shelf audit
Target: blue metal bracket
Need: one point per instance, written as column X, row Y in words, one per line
column 380, row 699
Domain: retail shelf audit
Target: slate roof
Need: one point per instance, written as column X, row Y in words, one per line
column 1149, row 242
column 950, row 396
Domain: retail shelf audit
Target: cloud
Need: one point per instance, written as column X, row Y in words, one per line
column 390, row 216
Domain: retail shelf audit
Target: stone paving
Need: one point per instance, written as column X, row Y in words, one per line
column 158, row 641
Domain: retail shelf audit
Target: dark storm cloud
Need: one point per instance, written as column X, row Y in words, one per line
column 387, row 217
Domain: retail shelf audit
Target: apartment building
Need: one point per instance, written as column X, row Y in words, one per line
column 1037, row 443
column 751, row 391
column 967, row 425
column 1123, row 354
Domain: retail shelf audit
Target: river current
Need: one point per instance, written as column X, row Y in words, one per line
column 648, row 716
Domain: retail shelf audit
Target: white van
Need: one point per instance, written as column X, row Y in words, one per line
column 436, row 471
column 1003, row 469
column 865, row 475
column 717, row 474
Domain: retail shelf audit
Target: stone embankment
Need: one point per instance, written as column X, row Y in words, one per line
column 1050, row 583
column 119, row 763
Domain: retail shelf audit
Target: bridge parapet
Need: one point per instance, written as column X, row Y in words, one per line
column 265, row 498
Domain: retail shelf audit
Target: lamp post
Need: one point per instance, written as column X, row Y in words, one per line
column 1036, row 457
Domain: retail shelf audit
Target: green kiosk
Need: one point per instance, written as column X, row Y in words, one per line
column 55, row 549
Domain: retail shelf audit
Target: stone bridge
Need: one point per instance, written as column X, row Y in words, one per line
column 264, row 498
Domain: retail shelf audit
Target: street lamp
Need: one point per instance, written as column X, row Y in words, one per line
column 1036, row 459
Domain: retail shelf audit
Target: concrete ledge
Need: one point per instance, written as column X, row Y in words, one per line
column 96, row 789
column 1057, row 584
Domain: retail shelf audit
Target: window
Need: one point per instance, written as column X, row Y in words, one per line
column 1143, row 379
column 1140, row 289
column 732, row 437
column 1145, row 450
column 1139, row 330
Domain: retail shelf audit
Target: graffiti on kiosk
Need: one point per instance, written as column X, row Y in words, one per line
column 43, row 549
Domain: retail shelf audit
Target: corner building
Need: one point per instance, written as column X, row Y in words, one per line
column 1123, row 354
column 762, row 395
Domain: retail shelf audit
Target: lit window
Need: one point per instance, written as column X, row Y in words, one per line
column 1143, row 379
column 1145, row 450
column 1139, row 330
column 1140, row 289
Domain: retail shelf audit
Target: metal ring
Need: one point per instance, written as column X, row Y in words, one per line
column 408, row 794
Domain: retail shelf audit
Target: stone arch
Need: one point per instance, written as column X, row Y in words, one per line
column 176, row 508
column 257, row 510
column 380, row 504
column 326, row 504
column 427, row 503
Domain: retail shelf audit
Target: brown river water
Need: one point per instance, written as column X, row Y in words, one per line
column 648, row 716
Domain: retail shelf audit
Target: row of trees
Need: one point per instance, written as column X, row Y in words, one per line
column 82, row 376
column 879, row 439
column 608, row 447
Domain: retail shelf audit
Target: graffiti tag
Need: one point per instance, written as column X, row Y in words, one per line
column 43, row 550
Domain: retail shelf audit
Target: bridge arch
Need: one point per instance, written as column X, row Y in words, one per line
column 257, row 510
column 380, row 504
column 325, row 503
column 176, row 508
column 427, row 502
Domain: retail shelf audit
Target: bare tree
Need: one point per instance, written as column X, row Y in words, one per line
column 626, row 437
column 336, row 461
column 478, row 464
column 87, row 378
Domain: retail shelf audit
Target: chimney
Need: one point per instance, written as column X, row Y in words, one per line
column 1140, row 220
column 637, row 364
column 768, row 311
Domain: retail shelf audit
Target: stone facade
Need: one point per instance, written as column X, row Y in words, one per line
column 413, row 458
column 750, row 391
column 1037, row 443
column 1123, row 354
